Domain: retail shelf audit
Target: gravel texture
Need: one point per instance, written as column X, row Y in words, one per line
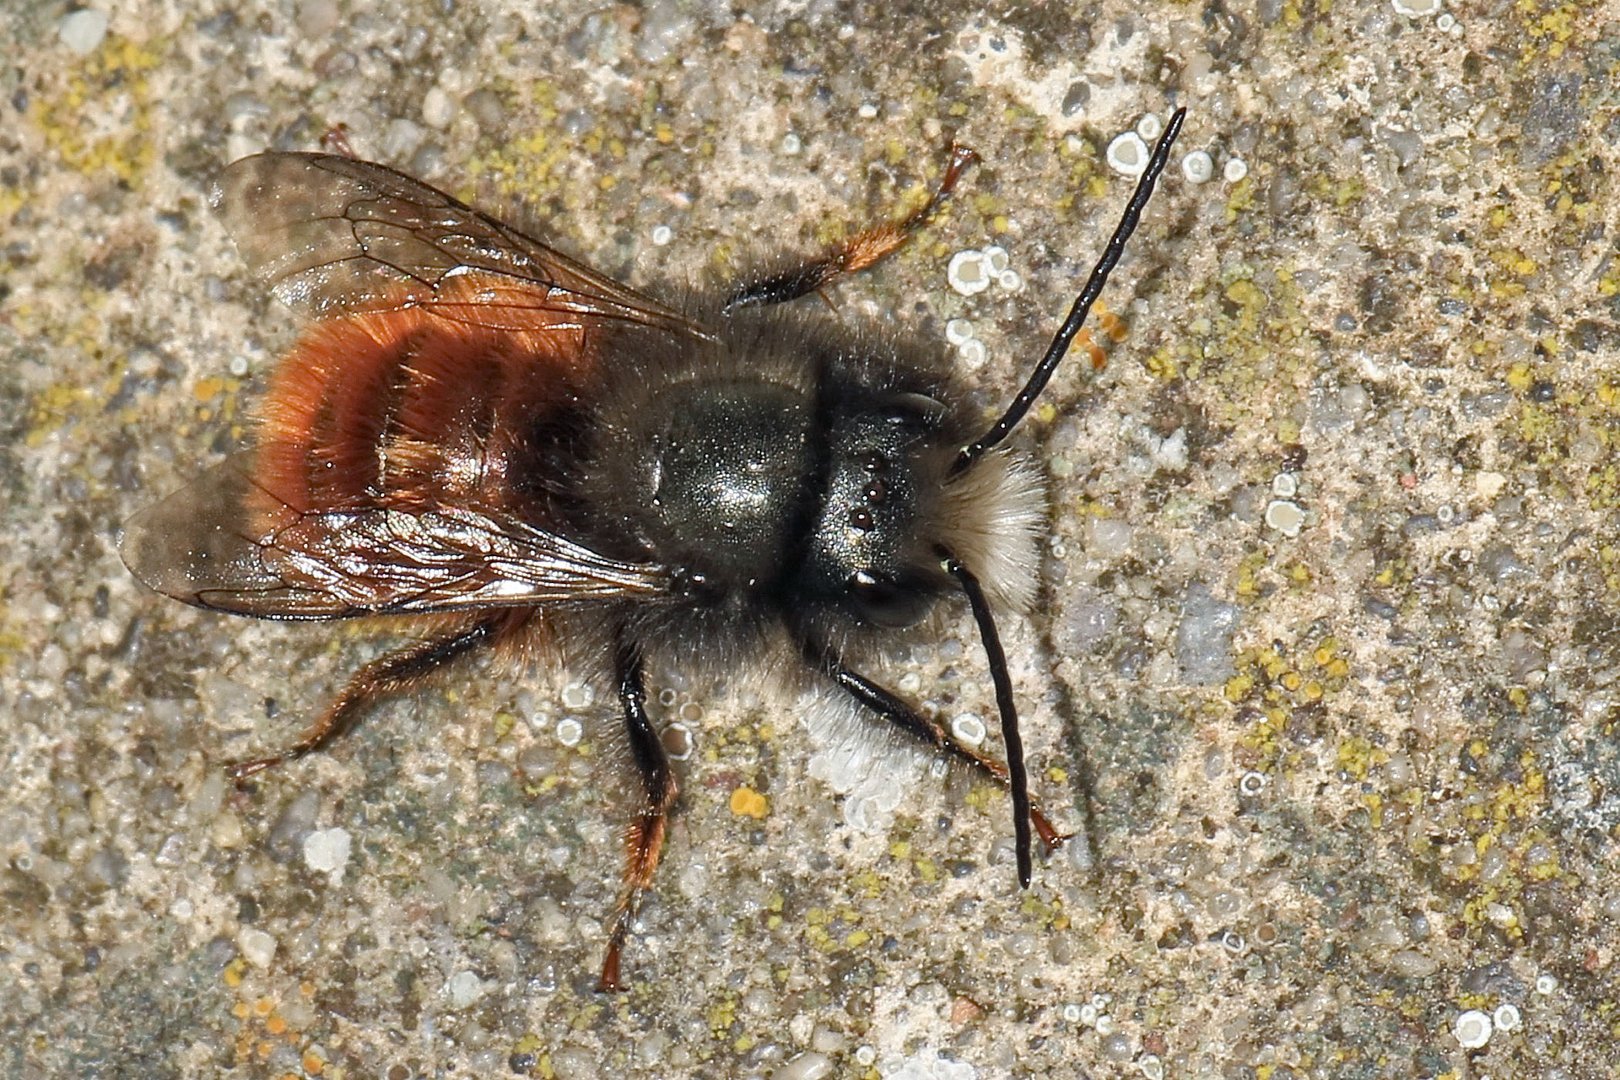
column 1323, row 670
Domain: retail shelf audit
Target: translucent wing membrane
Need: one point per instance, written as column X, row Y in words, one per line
column 332, row 235
column 224, row 543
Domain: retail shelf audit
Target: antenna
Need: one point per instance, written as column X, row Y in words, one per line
column 1017, row 776
column 1061, row 341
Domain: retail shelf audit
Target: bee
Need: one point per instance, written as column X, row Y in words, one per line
column 479, row 433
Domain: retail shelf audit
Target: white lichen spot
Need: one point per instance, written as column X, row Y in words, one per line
column 1128, row 154
column 791, row 144
column 1506, row 1017
column 1235, row 170
column 1286, row 517
column 463, row 989
column 1472, row 1029
column 1198, row 167
column 864, row 1056
column 967, row 273
column 968, row 729
column 577, row 695
column 1150, row 127
column 662, row 234
column 1011, row 280
column 326, row 851
column 1151, row 1067
column 1071, row 1013
column 570, row 731
column 1546, row 984
column 1252, row 784
column 1285, row 485
column 258, row 948
column 238, row 366
column 926, row 1064
column 996, row 258
column 1446, row 22
column 868, row 111
column 958, row 331
column 972, row 354
column 1416, row 9
column 678, row 741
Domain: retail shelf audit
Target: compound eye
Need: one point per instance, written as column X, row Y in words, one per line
column 917, row 411
column 880, row 600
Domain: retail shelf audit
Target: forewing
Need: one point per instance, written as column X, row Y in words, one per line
column 208, row 546
column 333, row 235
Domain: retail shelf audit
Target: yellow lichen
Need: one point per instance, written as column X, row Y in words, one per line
column 746, row 802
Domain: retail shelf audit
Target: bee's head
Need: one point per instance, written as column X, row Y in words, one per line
column 891, row 504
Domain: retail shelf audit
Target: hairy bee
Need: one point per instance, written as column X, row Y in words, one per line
column 482, row 434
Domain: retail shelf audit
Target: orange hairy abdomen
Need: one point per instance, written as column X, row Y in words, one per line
column 408, row 409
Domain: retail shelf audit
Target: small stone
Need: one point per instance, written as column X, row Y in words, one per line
column 809, row 1065
column 1412, row 964
column 83, row 31
column 258, row 947
column 437, row 108
column 327, row 851
column 463, row 989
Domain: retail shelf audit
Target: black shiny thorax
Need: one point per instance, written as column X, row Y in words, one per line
column 799, row 478
column 727, row 469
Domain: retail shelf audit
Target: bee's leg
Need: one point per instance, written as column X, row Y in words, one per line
column 914, row 723
column 644, row 839
column 855, row 254
column 336, row 141
column 1115, row 328
column 386, row 675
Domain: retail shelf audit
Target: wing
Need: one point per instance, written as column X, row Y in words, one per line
column 226, row 544
column 332, row 235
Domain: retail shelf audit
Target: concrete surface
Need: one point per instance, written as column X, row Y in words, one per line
column 1324, row 666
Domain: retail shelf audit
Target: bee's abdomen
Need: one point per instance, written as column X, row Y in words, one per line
column 406, row 409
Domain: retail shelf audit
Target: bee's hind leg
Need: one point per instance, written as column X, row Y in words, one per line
column 644, row 839
column 398, row 670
